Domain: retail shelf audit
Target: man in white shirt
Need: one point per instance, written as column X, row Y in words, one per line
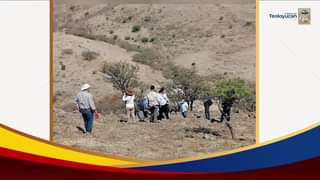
column 153, row 102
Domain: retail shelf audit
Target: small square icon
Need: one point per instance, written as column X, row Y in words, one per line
column 304, row 15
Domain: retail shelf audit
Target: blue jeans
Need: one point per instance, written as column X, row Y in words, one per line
column 88, row 119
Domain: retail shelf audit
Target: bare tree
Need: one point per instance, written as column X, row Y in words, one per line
column 122, row 75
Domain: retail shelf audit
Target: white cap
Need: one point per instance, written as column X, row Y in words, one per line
column 85, row 86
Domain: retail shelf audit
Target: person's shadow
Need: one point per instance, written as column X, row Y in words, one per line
column 81, row 129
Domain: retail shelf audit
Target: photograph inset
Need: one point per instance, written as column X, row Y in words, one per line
column 304, row 15
column 154, row 81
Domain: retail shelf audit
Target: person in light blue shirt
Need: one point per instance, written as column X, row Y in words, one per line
column 184, row 108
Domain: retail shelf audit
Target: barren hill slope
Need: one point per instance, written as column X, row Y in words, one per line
column 220, row 36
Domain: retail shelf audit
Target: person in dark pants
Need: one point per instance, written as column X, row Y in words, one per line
column 226, row 105
column 85, row 105
column 207, row 102
column 153, row 104
column 87, row 116
column 164, row 105
column 191, row 100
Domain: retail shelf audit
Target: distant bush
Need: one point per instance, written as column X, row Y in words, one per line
column 111, row 31
column 89, row 55
column 148, row 56
column 240, row 88
column 122, row 75
column 147, row 19
column 127, row 46
column 136, row 28
column 152, row 39
column 127, row 38
column 144, row 40
column 63, row 66
column 110, row 104
column 72, row 7
column 66, row 52
column 115, row 37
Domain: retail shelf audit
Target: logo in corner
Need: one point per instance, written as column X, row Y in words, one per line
column 304, row 16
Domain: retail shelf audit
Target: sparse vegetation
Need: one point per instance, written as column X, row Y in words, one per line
column 122, row 75
column 136, row 28
column 144, row 40
column 89, row 55
column 180, row 55
column 148, row 56
column 63, row 66
column 152, row 39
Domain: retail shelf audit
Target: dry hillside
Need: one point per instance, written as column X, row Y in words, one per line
column 218, row 38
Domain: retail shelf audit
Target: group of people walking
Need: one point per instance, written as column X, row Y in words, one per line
column 155, row 106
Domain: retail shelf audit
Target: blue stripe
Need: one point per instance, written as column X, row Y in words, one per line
column 301, row 147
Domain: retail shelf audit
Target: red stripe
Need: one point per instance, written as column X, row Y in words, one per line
column 51, row 161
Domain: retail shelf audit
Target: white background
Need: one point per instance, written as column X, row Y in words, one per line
column 289, row 69
column 24, row 66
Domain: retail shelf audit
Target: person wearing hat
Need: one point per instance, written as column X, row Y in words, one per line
column 128, row 98
column 86, row 106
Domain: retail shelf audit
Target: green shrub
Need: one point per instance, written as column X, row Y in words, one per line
column 152, row 39
column 136, row 28
column 240, row 88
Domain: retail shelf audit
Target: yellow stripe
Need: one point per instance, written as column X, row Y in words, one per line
column 18, row 142
column 14, row 141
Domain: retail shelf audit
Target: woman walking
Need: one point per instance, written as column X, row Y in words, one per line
column 128, row 98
